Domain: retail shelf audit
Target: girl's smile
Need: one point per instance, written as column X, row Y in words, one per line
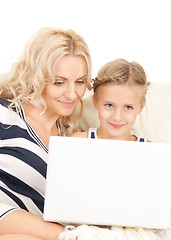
column 118, row 107
column 116, row 126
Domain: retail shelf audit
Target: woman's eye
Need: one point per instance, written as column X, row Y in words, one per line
column 80, row 81
column 128, row 107
column 108, row 105
column 59, row 83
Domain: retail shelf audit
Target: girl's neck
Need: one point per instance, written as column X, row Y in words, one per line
column 126, row 137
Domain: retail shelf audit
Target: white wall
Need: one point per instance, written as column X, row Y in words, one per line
column 133, row 29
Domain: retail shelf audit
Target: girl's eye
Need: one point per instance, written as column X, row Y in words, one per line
column 128, row 107
column 108, row 105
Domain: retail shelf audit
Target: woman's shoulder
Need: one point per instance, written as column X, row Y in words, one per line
column 79, row 134
column 4, row 102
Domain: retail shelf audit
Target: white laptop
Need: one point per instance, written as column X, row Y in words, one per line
column 108, row 182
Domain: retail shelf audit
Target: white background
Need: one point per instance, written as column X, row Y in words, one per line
column 138, row 30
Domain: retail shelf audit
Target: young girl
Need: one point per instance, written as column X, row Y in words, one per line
column 119, row 96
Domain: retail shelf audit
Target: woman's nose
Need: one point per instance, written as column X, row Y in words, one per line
column 70, row 92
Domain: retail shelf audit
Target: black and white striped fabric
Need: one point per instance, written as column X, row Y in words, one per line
column 23, row 164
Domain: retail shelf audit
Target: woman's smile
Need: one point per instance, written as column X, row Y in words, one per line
column 67, row 104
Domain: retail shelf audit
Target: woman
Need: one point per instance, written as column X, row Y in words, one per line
column 38, row 98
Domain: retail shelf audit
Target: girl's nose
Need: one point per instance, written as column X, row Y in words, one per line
column 116, row 114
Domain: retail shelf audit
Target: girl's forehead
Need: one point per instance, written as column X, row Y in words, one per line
column 112, row 92
column 119, row 87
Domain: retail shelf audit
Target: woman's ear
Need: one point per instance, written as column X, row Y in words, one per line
column 95, row 103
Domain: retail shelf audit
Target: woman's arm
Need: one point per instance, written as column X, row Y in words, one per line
column 22, row 222
column 18, row 237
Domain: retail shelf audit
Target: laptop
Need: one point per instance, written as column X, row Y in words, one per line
column 108, row 182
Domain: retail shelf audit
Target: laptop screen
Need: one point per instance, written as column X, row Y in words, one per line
column 108, row 182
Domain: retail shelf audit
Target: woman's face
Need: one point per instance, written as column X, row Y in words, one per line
column 62, row 96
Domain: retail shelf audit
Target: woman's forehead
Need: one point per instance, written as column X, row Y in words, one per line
column 70, row 65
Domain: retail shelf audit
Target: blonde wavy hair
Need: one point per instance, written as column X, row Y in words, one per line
column 28, row 77
column 121, row 72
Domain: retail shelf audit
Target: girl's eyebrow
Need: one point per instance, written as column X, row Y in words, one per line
column 129, row 104
column 66, row 78
column 125, row 104
column 107, row 101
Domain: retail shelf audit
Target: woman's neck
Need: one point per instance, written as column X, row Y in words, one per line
column 43, row 124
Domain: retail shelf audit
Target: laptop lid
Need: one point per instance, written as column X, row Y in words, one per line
column 108, row 182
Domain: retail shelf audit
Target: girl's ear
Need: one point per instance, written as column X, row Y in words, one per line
column 141, row 108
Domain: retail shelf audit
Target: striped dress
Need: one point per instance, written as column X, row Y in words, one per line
column 23, row 164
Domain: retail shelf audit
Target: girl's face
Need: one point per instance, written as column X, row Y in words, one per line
column 62, row 96
column 118, row 107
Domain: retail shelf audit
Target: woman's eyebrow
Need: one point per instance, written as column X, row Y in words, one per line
column 82, row 77
column 61, row 77
column 66, row 78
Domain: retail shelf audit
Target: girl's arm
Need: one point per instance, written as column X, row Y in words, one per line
column 22, row 222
